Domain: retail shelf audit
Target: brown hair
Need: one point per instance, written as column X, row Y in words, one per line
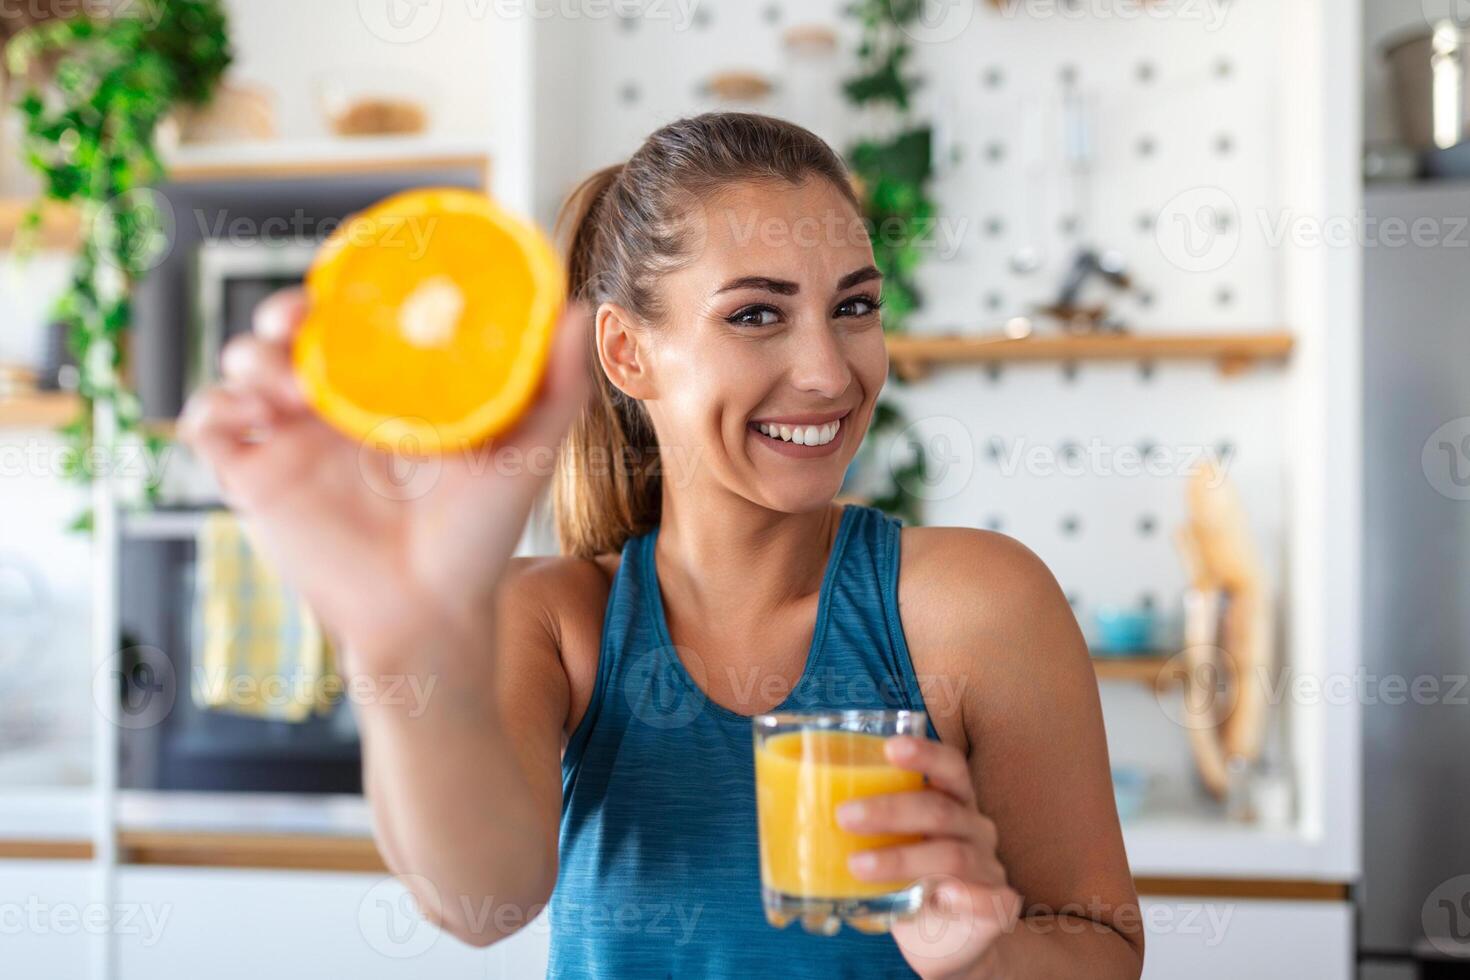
column 624, row 227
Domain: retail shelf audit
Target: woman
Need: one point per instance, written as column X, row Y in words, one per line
column 589, row 727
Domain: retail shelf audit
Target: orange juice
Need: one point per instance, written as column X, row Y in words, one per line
column 801, row 778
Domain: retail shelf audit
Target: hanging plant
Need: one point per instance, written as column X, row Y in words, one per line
column 893, row 171
column 95, row 91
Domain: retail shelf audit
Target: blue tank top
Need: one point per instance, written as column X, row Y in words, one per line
column 659, row 863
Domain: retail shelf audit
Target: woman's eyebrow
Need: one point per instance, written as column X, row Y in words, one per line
column 786, row 287
column 862, row 275
column 783, row 286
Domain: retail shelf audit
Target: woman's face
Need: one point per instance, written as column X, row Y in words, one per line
column 763, row 373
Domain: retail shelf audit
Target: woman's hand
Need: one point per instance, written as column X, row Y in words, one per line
column 969, row 904
column 388, row 550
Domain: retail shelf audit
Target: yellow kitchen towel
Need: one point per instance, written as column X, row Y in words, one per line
column 261, row 651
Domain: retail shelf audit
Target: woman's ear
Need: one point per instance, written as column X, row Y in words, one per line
column 621, row 352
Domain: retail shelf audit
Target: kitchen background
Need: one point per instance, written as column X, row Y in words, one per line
column 1181, row 153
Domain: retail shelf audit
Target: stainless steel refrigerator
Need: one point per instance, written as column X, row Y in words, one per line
column 1415, row 906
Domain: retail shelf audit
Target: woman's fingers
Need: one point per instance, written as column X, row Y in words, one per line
column 564, row 387
column 943, row 765
column 224, row 428
column 263, row 366
column 278, row 317
column 952, row 856
column 219, row 422
column 927, row 811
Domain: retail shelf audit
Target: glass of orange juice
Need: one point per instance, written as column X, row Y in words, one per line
column 806, row 766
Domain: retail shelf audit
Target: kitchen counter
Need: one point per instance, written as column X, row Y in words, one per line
column 1177, row 855
column 65, row 813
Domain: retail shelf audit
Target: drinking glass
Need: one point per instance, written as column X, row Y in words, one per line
column 806, row 766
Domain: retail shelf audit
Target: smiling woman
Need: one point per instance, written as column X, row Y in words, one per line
column 592, row 742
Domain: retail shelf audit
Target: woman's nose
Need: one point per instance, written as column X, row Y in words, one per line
column 820, row 363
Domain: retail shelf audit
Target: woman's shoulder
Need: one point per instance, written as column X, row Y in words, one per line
column 558, row 588
column 983, row 606
column 955, row 562
column 561, row 601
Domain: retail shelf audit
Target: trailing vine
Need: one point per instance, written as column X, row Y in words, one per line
column 893, row 171
column 96, row 91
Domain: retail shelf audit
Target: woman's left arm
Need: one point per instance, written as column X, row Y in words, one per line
column 1021, row 835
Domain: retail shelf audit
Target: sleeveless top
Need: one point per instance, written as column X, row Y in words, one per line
column 659, row 863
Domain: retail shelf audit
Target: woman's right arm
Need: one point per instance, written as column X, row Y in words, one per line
column 463, row 766
column 461, row 695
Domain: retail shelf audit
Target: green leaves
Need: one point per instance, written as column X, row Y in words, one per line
column 91, row 131
column 894, row 174
column 884, row 82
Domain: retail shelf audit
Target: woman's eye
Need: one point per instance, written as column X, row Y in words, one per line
column 756, row 316
column 859, row 306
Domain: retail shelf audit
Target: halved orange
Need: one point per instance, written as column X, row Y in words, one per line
column 430, row 320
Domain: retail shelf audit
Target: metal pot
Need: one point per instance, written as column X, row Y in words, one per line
column 1430, row 73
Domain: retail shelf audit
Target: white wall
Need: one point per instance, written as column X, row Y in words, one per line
column 468, row 59
column 45, row 672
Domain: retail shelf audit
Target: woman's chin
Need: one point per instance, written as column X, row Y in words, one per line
column 802, row 498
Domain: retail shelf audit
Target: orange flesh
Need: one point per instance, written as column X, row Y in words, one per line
column 433, row 306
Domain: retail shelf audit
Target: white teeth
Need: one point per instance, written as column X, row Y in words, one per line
column 802, row 435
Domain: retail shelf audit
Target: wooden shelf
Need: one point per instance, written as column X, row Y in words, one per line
column 296, row 852
column 61, row 224
column 1156, row 669
column 285, row 160
column 41, row 410
column 913, row 356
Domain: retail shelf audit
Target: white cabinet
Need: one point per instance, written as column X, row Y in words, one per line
column 229, row 924
column 1223, row 939
column 45, row 916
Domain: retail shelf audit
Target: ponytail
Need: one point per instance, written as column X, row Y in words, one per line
column 607, row 487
